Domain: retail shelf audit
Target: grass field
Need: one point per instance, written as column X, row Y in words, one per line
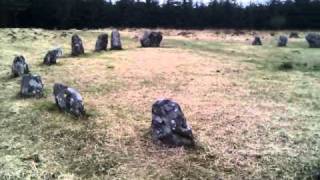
column 253, row 115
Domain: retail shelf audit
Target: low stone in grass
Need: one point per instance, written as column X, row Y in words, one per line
column 282, row 41
column 151, row 39
column 68, row 99
column 286, row 66
column 115, row 40
column 19, row 66
column 294, row 35
column 169, row 126
column 52, row 56
column 31, row 86
column 257, row 41
column 102, row 42
column 314, row 40
column 76, row 45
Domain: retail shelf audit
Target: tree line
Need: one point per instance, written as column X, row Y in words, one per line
column 63, row 14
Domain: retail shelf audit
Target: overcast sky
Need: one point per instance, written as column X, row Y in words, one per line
column 244, row 2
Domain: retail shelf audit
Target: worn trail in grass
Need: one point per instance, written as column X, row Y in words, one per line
column 251, row 118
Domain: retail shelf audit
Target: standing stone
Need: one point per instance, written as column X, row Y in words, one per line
column 151, row 39
column 68, row 100
column 115, row 40
column 76, row 44
column 313, row 40
column 169, row 125
column 293, row 35
column 19, row 66
column 257, row 41
column 102, row 42
column 31, row 86
column 282, row 41
column 52, row 56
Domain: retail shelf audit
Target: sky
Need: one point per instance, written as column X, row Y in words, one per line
column 243, row 2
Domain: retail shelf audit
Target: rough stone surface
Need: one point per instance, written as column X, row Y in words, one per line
column 169, row 126
column 31, row 86
column 294, row 35
column 68, row 100
column 257, row 41
column 102, row 42
column 76, row 45
column 52, row 56
column 19, row 66
column 282, row 41
column 314, row 40
column 151, row 39
column 115, row 40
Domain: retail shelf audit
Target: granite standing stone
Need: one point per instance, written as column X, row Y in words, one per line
column 314, row 40
column 76, row 45
column 52, row 56
column 169, row 126
column 115, row 40
column 257, row 41
column 151, row 39
column 68, row 100
column 31, row 86
column 102, row 42
column 19, row 66
column 282, row 41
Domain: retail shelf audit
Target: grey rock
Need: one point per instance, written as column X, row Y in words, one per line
column 115, row 40
column 257, row 41
column 282, row 41
column 19, row 66
column 169, row 126
column 151, row 39
column 76, row 45
column 52, row 56
column 68, row 99
column 31, row 86
column 314, row 40
column 294, row 35
column 102, row 42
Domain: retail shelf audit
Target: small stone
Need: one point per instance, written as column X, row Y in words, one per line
column 257, row 41
column 169, row 126
column 68, row 99
column 76, row 45
column 19, row 66
column 115, row 40
column 151, row 39
column 294, row 35
column 52, row 56
column 102, row 42
column 282, row 41
column 31, row 86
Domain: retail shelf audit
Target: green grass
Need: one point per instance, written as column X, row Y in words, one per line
column 37, row 141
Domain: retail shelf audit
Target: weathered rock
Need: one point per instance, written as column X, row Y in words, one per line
column 313, row 40
column 102, row 42
column 257, row 41
column 294, row 35
column 115, row 40
column 19, row 66
column 169, row 126
column 31, row 86
column 151, row 39
column 68, row 100
column 282, row 41
column 52, row 56
column 76, row 45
